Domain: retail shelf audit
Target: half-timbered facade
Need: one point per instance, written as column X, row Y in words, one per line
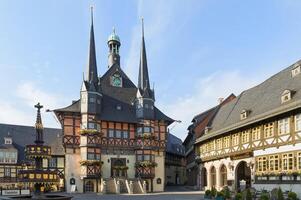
column 114, row 130
column 254, row 140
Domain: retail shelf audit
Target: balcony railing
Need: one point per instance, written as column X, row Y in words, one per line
column 41, row 176
column 71, row 140
column 38, row 151
column 148, row 172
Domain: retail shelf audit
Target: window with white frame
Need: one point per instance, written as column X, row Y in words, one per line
column 245, row 135
column 219, row 144
column 287, row 161
column 227, row 142
column 268, row 130
column 7, row 172
column 273, row 162
column 261, row 164
column 299, row 160
column 235, row 139
column 283, row 126
column 298, row 122
column 255, row 133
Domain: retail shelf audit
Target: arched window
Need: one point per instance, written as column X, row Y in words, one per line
column 213, row 176
column 223, row 175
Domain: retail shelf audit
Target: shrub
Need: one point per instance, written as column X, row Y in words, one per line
column 208, row 194
column 280, row 194
column 248, row 194
column 292, row 195
column 264, row 196
column 238, row 196
column 220, row 194
column 213, row 192
column 226, row 192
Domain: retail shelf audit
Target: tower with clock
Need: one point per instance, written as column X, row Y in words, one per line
column 115, row 129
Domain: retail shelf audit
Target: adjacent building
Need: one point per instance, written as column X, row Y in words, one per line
column 14, row 139
column 255, row 139
column 175, row 165
column 114, row 130
column 201, row 123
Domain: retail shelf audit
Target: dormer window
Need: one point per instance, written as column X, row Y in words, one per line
column 118, row 107
column 286, row 96
column 8, row 140
column 116, row 80
column 207, row 129
column 296, row 71
column 244, row 114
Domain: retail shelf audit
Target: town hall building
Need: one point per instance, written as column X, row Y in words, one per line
column 114, row 133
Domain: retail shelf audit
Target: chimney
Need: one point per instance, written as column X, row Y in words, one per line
column 220, row 100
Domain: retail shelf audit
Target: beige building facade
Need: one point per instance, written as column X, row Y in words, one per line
column 255, row 139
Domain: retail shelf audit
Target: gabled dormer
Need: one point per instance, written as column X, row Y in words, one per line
column 296, row 70
column 286, row 95
column 244, row 114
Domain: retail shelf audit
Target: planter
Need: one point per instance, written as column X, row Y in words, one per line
column 146, row 164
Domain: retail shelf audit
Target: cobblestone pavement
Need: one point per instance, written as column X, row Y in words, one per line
column 154, row 196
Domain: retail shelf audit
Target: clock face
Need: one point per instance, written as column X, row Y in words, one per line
column 116, row 80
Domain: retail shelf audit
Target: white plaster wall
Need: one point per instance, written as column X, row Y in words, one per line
column 281, row 149
column 73, row 170
column 231, row 169
column 106, row 167
column 159, row 173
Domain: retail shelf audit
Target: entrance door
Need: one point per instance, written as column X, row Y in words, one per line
column 116, row 167
column 89, row 186
column 243, row 172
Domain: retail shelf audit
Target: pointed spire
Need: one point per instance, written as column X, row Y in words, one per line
column 91, row 75
column 143, row 79
column 39, row 125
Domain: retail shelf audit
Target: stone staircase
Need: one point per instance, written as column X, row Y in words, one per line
column 111, row 187
column 122, row 185
column 137, row 187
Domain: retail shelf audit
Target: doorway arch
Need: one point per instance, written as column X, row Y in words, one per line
column 89, row 186
column 223, row 175
column 203, row 178
column 213, row 176
column 243, row 172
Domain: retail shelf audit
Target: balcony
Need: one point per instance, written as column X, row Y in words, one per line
column 42, row 176
column 71, row 140
column 91, row 168
column 145, row 172
column 33, row 151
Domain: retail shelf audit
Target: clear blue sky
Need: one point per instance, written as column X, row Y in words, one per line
column 197, row 50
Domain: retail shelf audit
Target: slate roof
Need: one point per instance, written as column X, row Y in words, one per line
column 117, row 96
column 174, row 145
column 25, row 135
column 263, row 101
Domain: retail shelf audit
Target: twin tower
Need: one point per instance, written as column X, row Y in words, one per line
column 92, row 88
